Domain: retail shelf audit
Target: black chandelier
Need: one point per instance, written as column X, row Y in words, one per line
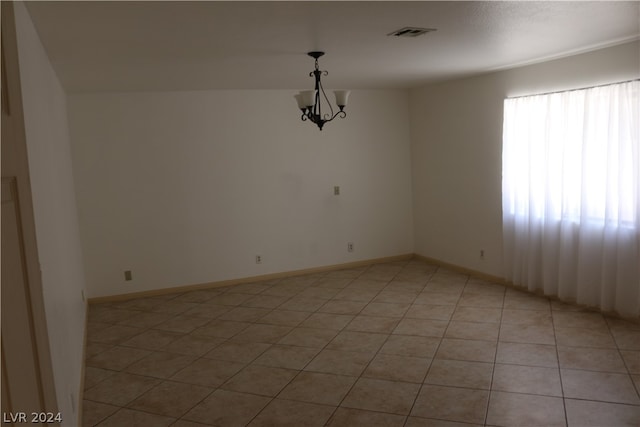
column 309, row 101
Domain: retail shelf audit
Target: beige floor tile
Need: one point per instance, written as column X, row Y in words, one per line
column 454, row 290
column 289, row 413
column 93, row 376
column 244, row 314
column 527, row 379
column 114, row 334
column 183, row 324
column 193, row 345
column 316, row 387
column 395, row 297
column 421, row 327
column 591, row 359
column 103, row 314
column 319, row 292
column 285, row 356
column 120, row 389
column 248, row 288
column 632, row 360
column 327, row 321
column 145, row 320
column 198, row 296
column 398, row 368
column 208, row 372
column 117, row 358
column 380, row 395
column 404, row 345
column 527, row 354
column 160, row 364
column 284, row 318
column 227, row 408
column 481, row 300
column 479, row 286
column 584, row 413
column 601, row 386
column 571, row 319
column 353, row 293
column 357, row 341
column 531, row 334
column 171, row 399
column 526, row 317
column 451, row 404
column 346, row 417
column 429, row 297
column 173, row 307
column 430, row 422
column 331, row 282
column 340, row 362
column 303, row 304
column 242, row 352
column 429, row 311
column 221, row 328
column 580, row 337
column 185, row 423
column 382, row 325
column 471, row 350
column 261, row 333
column 627, row 339
column 477, row 314
column 342, row 307
column 153, row 339
column 386, row 309
column 512, row 409
column 229, row 299
column 473, row 330
column 94, row 412
column 406, row 285
column 262, row 380
column 308, row 337
column 94, row 348
column 131, row 418
column 265, row 301
column 526, row 302
column 458, row 373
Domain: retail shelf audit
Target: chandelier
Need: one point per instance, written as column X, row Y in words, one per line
column 309, row 101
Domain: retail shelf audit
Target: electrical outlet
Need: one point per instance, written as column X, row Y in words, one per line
column 127, row 275
column 350, row 247
column 336, row 190
column 482, row 254
column 258, row 259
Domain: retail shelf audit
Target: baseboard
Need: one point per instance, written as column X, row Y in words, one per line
column 250, row 279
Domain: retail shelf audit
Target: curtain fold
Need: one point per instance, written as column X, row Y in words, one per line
column 571, row 195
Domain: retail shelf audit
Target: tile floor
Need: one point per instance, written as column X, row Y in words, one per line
column 394, row 344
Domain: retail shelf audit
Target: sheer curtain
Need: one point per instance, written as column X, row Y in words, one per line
column 570, row 195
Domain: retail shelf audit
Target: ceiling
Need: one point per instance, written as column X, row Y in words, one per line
column 151, row 46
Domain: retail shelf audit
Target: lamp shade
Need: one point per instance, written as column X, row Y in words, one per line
column 308, row 97
column 300, row 101
column 342, row 97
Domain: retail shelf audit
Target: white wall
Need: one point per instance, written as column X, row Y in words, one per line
column 57, row 232
column 187, row 187
column 456, row 150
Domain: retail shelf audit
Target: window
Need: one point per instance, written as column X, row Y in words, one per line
column 573, row 156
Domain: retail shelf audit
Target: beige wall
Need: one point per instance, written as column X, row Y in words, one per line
column 187, row 187
column 456, row 150
column 57, row 233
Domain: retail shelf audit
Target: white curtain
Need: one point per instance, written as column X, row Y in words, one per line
column 571, row 195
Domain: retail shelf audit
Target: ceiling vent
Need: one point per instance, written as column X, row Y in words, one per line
column 411, row 32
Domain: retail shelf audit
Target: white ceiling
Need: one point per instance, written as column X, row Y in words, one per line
column 132, row 46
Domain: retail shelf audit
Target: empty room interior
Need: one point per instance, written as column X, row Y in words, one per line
column 210, row 237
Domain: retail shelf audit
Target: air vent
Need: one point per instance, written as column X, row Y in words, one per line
column 411, row 32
